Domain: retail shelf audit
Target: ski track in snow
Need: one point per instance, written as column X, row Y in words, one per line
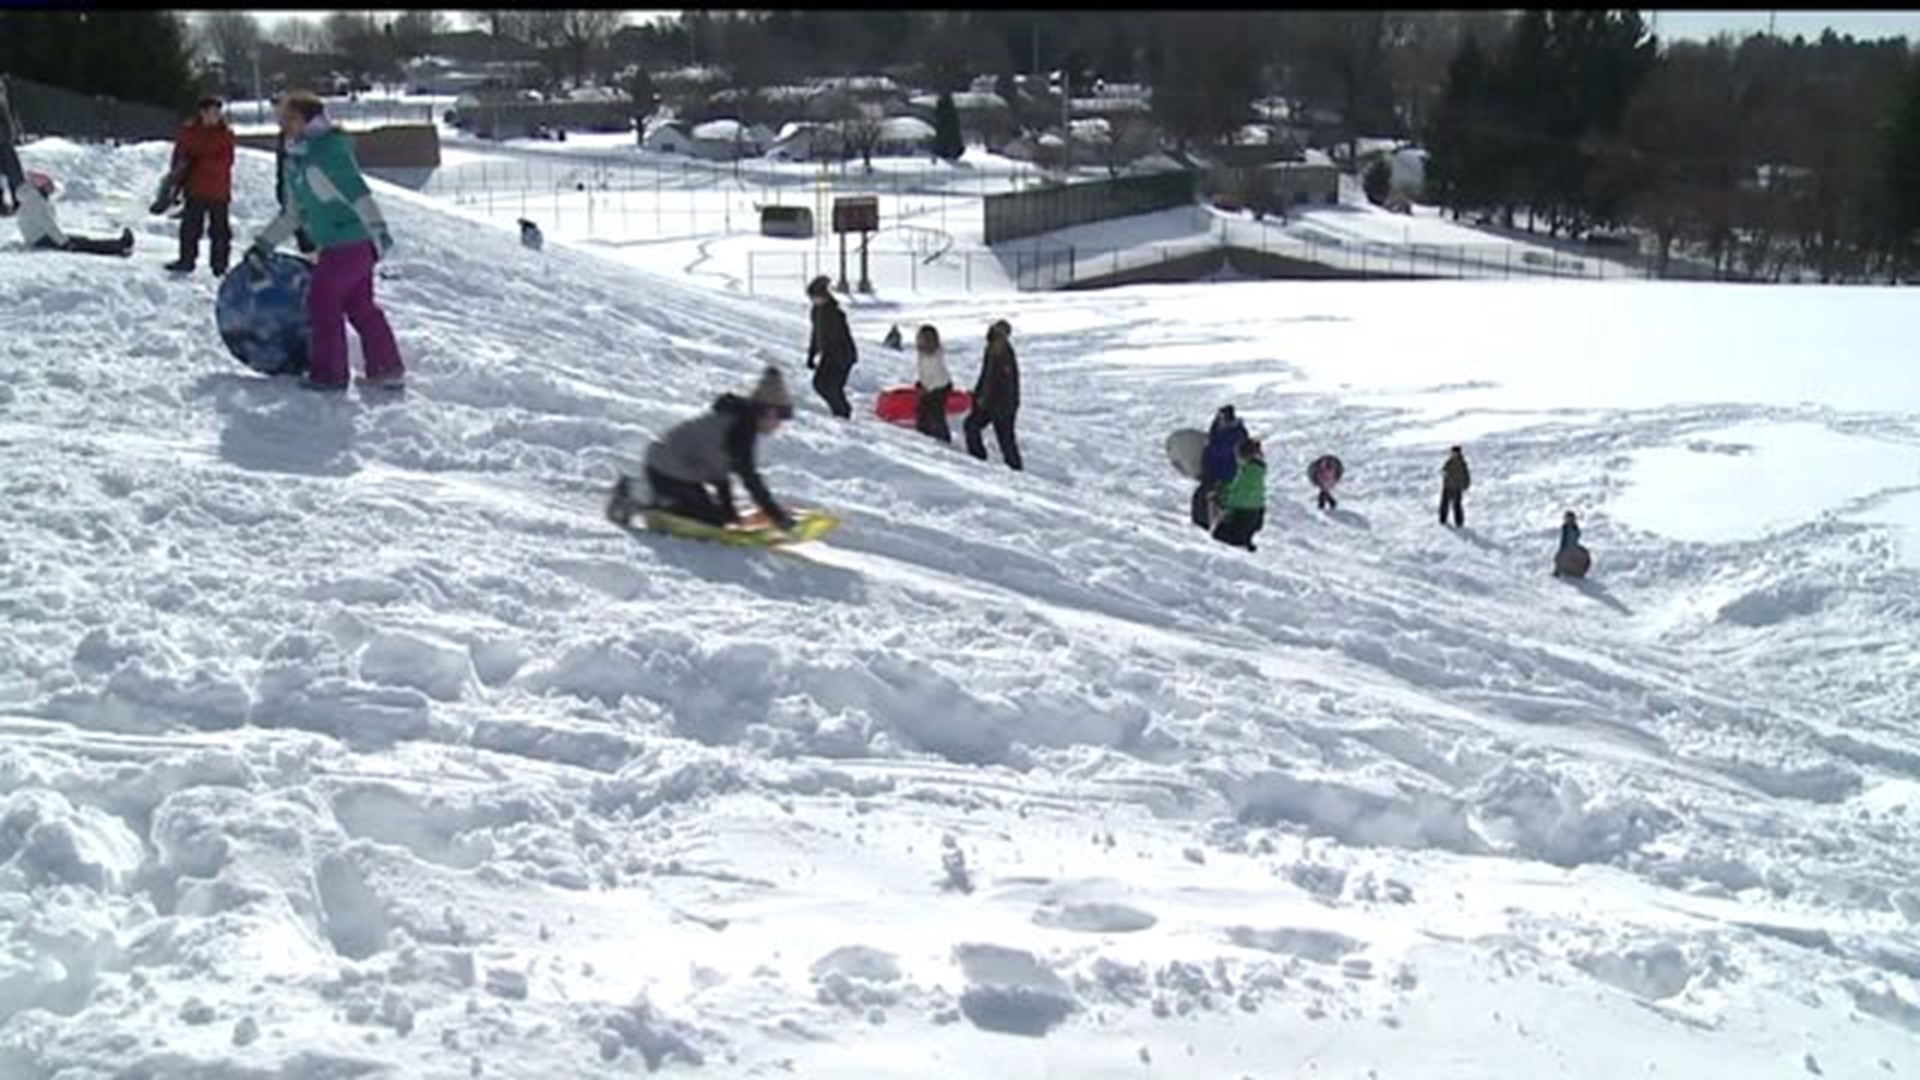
column 343, row 737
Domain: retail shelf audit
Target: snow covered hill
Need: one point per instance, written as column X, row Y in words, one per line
column 343, row 738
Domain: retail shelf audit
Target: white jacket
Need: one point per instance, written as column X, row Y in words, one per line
column 931, row 371
column 36, row 218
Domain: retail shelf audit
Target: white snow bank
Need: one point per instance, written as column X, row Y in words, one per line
column 342, row 737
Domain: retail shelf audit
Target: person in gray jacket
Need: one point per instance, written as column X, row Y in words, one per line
column 690, row 468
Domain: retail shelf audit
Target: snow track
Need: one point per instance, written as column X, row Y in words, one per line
column 342, row 737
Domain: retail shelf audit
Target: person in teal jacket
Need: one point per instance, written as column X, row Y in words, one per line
column 1243, row 499
column 328, row 199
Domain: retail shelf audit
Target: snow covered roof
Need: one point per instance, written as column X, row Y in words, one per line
column 724, row 130
column 859, row 84
column 665, row 125
column 1096, row 130
column 965, row 101
column 905, row 129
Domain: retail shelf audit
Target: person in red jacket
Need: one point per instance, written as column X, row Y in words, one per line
column 203, row 159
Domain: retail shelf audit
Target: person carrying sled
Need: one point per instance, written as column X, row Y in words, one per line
column 831, row 353
column 689, row 469
column 1326, row 475
column 996, row 398
column 1243, row 499
column 40, row 225
column 203, row 162
column 327, row 195
column 1217, row 464
column 1454, row 481
column 934, row 383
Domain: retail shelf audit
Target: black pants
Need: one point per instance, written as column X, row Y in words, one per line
column 12, row 177
column 1002, row 423
column 830, row 382
column 82, row 245
column 1326, row 500
column 209, row 217
column 1237, row 527
column 688, row 499
column 1202, row 510
column 930, row 414
column 1451, row 500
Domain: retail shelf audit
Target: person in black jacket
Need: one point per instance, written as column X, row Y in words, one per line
column 690, row 468
column 831, row 353
column 996, row 397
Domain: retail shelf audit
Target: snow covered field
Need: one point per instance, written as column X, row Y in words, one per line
column 342, row 738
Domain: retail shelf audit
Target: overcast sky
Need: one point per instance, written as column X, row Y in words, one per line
column 1697, row 25
column 1861, row 24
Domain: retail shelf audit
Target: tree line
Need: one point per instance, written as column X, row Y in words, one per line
column 1762, row 158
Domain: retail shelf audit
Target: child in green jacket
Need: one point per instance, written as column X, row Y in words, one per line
column 1243, row 499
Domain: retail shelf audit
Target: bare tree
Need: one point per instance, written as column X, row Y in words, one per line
column 501, row 23
column 232, row 37
column 300, row 35
column 359, row 39
column 582, row 32
column 413, row 32
column 1133, row 138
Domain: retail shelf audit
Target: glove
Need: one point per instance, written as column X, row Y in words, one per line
column 382, row 243
column 256, row 258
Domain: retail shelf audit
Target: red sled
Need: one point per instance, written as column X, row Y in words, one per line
column 898, row 405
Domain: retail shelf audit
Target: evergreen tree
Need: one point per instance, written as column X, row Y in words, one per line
column 1377, row 182
column 949, row 143
column 1903, row 168
column 133, row 56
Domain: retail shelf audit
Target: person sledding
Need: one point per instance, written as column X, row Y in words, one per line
column 1572, row 558
column 933, row 381
column 1217, row 464
column 1325, row 473
column 689, row 470
column 1243, row 499
column 40, row 224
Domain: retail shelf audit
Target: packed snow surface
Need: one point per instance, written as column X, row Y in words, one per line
column 342, row 737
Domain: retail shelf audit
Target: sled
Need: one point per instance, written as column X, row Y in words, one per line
column 753, row 531
column 899, row 404
column 1339, row 470
column 1185, row 448
column 262, row 314
column 1574, row 562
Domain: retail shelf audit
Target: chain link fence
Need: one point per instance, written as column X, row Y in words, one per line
column 51, row 110
column 1014, row 215
column 957, row 270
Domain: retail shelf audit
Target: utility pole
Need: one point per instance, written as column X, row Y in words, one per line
column 1770, row 16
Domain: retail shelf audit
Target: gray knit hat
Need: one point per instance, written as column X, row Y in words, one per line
column 772, row 393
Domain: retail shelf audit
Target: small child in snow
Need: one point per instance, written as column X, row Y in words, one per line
column 1326, row 475
column 1217, row 464
column 934, row 382
column 1243, row 499
column 1569, row 532
column 40, row 224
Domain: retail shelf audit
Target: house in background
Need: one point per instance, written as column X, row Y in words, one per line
column 728, row 140
column 665, row 136
column 904, row 136
column 805, row 140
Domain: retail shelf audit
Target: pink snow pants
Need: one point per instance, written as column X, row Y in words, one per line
column 341, row 293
